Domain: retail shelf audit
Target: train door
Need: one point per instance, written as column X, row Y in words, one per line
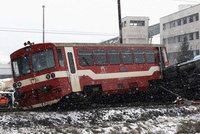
column 73, row 74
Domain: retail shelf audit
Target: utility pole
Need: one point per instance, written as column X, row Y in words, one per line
column 43, row 27
column 120, row 22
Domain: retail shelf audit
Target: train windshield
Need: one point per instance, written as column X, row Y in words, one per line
column 43, row 60
column 21, row 66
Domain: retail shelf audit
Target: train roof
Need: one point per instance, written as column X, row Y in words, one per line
column 90, row 45
column 108, row 45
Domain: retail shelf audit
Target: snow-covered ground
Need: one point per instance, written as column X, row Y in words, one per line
column 135, row 120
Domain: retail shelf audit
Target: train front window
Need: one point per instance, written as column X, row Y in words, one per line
column 43, row 60
column 21, row 66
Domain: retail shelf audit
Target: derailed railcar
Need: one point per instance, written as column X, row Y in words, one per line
column 45, row 73
column 184, row 79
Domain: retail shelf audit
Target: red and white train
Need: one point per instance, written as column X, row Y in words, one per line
column 45, row 73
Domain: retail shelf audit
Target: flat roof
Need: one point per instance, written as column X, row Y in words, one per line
column 108, row 45
column 181, row 10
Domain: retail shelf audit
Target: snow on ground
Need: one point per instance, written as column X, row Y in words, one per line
column 6, row 84
column 141, row 120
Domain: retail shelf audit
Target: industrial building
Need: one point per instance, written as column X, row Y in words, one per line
column 180, row 26
column 135, row 30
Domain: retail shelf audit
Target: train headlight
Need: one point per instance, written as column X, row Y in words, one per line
column 15, row 85
column 48, row 76
column 53, row 75
column 19, row 84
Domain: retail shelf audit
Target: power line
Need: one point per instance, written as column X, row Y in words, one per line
column 38, row 31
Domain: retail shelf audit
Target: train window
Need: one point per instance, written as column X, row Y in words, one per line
column 43, row 60
column 127, row 57
column 139, row 56
column 15, row 69
column 60, row 57
column 85, row 58
column 113, row 57
column 150, row 56
column 100, row 57
column 71, row 62
column 21, row 66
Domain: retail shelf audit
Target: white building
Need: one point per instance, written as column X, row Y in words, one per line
column 135, row 30
column 179, row 25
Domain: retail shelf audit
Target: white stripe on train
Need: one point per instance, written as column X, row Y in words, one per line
column 91, row 74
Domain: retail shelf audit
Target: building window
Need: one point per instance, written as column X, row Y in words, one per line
column 179, row 38
column 170, row 40
column 196, row 16
column 197, row 35
column 131, row 23
column 137, row 23
column 185, row 20
column 141, row 23
column 191, row 36
column 164, row 26
column 179, row 22
column 191, row 18
column 172, row 24
column 185, row 37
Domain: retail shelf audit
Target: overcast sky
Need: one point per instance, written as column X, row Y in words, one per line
column 72, row 20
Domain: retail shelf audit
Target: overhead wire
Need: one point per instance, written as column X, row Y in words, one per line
column 7, row 29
